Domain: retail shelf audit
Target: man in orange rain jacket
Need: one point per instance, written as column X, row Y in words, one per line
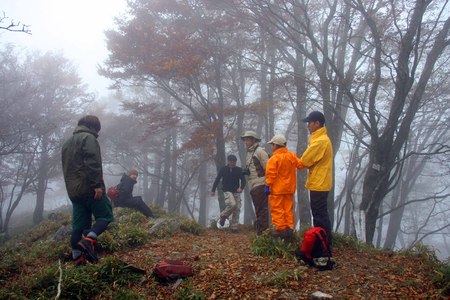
column 281, row 182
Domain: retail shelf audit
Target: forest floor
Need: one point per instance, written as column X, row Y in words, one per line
column 38, row 266
column 225, row 268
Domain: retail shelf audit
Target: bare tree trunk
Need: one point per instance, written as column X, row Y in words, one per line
column 145, row 179
column 172, row 206
column 380, row 229
column 166, row 174
column 353, row 176
column 22, row 181
column 220, row 136
column 42, row 179
column 154, row 183
column 385, row 148
column 239, row 94
column 395, row 218
column 411, row 174
column 304, row 208
column 270, row 124
column 203, row 195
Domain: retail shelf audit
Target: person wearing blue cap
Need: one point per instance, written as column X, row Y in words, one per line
column 318, row 159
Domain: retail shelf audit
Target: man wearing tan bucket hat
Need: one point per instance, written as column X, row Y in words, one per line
column 256, row 162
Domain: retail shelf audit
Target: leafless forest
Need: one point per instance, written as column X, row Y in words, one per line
column 191, row 76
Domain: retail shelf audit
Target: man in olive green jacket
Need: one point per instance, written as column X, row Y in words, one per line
column 83, row 175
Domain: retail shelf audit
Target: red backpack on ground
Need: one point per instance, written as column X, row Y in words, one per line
column 168, row 271
column 314, row 250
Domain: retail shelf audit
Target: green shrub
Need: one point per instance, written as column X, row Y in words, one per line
column 10, row 263
column 188, row 293
column 281, row 279
column 427, row 253
column 43, row 230
column 45, row 283
column 82, row 282
column 442, row 279
column 133, row 236
column 191, row 226
column 126, row 294
column 130, row 216
column 128, row 231
column 345, row 241
column 50, row 250
column 267, row 246
column 157, row 211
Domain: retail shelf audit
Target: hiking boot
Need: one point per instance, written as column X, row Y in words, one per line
column 87, row 247
column 80, row 260
column 275, row 234
column 222, row 220
column 288, row 235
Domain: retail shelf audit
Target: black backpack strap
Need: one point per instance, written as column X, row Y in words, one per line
column 324, row 244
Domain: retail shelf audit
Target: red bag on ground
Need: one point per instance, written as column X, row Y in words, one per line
column 315, row 250
column 167, row 271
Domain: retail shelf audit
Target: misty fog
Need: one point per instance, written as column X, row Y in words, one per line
column 179, row 84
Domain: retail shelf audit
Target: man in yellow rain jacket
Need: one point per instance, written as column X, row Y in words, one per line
column 281, row 183
column 318, row 159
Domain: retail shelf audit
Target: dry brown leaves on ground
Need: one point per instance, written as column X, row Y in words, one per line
column 225, row 268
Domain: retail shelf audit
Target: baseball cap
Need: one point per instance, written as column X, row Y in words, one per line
column 278, row 139
column 315, row 116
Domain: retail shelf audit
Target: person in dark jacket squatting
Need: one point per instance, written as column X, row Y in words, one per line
column 233, row 182
column 83, row 175
column 126, row 198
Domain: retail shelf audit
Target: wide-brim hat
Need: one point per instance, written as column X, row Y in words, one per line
column 252, row 134
column 279, row 140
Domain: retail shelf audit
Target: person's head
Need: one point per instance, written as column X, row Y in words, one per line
column 231, row 160
column 315, row 120
column 249, row 137
column 91, row 122
column 133, row 174
column 278, row 141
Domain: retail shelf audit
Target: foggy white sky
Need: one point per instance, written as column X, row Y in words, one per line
column 74, row 26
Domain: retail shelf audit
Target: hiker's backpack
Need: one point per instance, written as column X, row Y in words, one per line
column 168, row 271
column 314, row 250
column 113, row 194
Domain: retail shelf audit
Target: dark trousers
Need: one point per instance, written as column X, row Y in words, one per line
column 136, row 203
column 319, row 210
column 261, row 205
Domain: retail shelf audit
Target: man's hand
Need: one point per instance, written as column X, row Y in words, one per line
column 212, row 194
column 98, row 193
column 267, row 190
column 239, row 190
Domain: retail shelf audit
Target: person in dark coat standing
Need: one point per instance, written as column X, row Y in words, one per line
column 126, row 198
column 83, row 175
column 233, row 182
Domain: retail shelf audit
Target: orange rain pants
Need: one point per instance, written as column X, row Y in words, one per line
column 282, row 211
